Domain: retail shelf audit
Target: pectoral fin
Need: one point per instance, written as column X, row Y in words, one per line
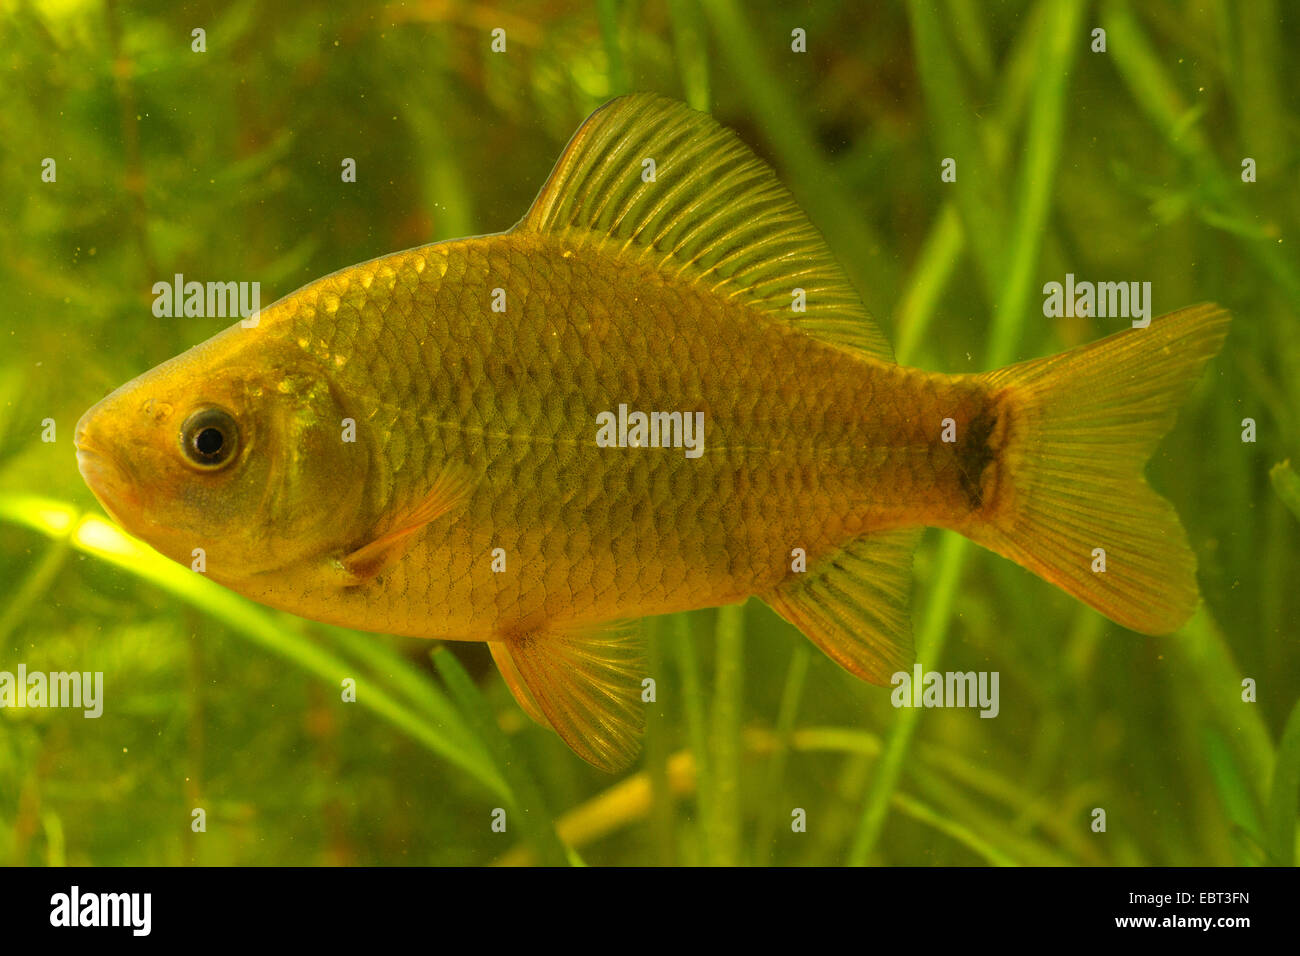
column 449, row 489
column 585, row 684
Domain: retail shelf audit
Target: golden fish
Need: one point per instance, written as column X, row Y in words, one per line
column 617, row 409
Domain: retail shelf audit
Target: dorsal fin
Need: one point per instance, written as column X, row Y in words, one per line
column 714, row 214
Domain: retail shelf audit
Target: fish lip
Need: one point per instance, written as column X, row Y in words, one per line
column 106, row 479
column 98, row 472
column 86, row 458
column 89, row 457
column 80, row 438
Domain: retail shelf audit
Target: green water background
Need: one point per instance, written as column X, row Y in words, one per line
column 225, row 165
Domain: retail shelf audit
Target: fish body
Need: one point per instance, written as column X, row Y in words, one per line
column 445, row 442
column 802, row 449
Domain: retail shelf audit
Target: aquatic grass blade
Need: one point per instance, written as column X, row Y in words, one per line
column 95, row 536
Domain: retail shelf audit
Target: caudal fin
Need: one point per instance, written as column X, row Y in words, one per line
column 1075, row 432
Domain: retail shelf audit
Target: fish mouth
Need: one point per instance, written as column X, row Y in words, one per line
column 102, row 474
column 106, row 481
column 93, row 466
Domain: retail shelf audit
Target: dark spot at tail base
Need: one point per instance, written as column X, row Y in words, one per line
column 976, row 453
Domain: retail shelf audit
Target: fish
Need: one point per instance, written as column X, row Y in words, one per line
column 658, row 392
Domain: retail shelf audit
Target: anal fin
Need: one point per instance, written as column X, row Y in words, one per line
column 583, row 683
column 514, row 680
column 854, row 603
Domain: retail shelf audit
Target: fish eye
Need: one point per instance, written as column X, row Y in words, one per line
column 210, row 438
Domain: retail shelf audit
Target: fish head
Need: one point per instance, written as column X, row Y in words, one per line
column 236, row 447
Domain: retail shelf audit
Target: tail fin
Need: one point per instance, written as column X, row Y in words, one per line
column 1074, row 433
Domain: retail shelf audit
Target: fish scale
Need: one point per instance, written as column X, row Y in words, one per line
column 792, row 448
